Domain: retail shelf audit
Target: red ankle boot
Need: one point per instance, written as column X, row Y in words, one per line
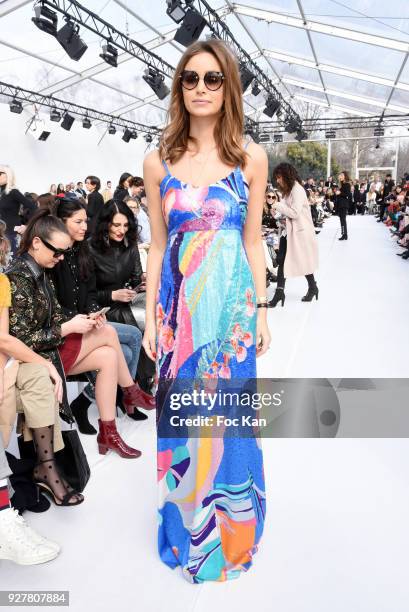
column 135, row 397
column 109, row 439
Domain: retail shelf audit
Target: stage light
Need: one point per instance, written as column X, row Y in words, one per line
column 277, row 138
column 45, row 19
column 264, row 137
column 272, row 106
column 301, row 135
column 86, row 123
column 112, row 129
column 110, row 55
column 16, row 107
column 70, row 40
column 44, row 135
column 148, row 138
column 134, row 134
column 175, row 10
column 330, row 133
column 156, row 81
column 246, row 77
column 192, row 26
column 379, row 131
column 127, row 135
column 255, row 90
column 292, row 124
column 67, row 122
column 55, row 115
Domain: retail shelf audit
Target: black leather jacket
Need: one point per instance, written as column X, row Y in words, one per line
column 116, row 268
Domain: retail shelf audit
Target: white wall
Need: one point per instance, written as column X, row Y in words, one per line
column 65, row 156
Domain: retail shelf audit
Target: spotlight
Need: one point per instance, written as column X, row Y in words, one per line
column 134, row 134
column 127, row 135
column 191, row 28
column 110, row 55
column 111, row 129
column 86, row 123
column 44, row 135
column 379, row 131
column 330, row 133
column 264, row 137
column 156, row 81
column 277, row 138
column 55, row 115
column 175, row 10
column 291, row 124
column 67, row 122
column 301, row 135
column 16, row 106
column 246, row 77
column 255, row 90
column 45, row 19
column 272, row 106
column 71, row 41
column 148, row 138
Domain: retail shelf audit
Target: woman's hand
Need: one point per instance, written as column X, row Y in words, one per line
column 263, row 338
column 149, row 340
column 81, row 324
column 56, row 378
column 100, row 319
column 123, row 295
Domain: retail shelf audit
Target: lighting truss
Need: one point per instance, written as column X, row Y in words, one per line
column 222, row 31
column 25, row 96
column 87, row 19
column 340, row 123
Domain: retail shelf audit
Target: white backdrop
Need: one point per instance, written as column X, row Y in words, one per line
column 65, row 156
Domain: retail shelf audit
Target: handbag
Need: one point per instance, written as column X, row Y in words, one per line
column 71, row 460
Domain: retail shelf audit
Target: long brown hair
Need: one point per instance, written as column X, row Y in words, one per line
column 289, row 175
column 228, row 131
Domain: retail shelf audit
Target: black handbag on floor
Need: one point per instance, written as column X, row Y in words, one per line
column 71, row 460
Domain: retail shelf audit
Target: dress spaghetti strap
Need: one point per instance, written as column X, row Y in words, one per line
column 165, row 165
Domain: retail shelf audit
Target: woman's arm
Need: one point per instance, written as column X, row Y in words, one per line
column 152, row 173
column 257, row 171
column 292, row 211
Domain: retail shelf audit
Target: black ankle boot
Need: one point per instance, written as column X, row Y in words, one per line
column 279, row 296
column 311, row 293
column 136, row 415
column 342, row 237
column 79, row 408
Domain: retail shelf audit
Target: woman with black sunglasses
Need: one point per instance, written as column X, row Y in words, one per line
column 206, row 317
column 73, row 344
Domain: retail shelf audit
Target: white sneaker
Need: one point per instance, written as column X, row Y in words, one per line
column 17, row 544
column 34, row 536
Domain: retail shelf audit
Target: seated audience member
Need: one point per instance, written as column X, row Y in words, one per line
column 74, row 345
column 74, row 281
column 118, row 273
column 28, row 381
column 18, row 541
column 15, row 208
column 142, row 220
column 121, row 192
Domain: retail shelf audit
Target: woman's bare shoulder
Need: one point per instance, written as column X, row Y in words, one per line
column 152, row 166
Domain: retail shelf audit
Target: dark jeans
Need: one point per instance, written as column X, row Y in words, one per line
column 382, row 209
column 342, row 213
column 282, row 252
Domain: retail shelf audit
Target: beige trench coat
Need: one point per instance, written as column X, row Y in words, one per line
column 302, row 246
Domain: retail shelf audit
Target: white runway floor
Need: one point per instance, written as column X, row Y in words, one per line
column 336, row 534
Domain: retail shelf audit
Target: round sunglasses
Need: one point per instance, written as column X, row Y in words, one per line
column 213, row 80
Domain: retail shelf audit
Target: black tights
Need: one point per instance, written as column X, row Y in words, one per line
column 46, row 469
column 282, row 252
